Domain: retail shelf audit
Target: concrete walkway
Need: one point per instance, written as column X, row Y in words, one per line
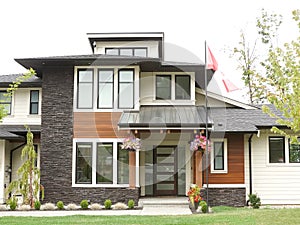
column 151, row 206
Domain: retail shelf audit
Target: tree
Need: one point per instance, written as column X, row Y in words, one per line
column 28, row 183
column 281, row 80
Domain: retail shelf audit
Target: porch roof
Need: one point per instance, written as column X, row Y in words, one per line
column 9, row 132
column 164, row 117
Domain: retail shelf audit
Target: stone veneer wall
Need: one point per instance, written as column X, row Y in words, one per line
column 56, row 144
column 225, row 196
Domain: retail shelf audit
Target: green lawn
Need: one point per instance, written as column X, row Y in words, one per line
column 221, row 215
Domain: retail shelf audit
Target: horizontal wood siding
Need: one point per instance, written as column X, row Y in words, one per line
column 97, row 125
column 235, row 150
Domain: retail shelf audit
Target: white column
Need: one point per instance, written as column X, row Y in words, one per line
column 2, row 170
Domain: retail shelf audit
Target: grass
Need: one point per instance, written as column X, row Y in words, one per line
column 221, row 215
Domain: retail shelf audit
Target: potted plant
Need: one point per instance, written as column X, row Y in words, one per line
column 194, row 197
column 131, row 143
column 199, row 143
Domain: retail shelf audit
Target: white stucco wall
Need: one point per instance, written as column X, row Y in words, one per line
column 275, row 183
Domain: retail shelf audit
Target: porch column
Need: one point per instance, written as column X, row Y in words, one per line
column 2, row 170
column 132, row 169
column 198, row 168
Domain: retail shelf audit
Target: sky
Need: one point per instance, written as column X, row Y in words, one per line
column 35, row 28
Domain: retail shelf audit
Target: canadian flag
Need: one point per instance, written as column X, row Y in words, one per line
column 229, row 86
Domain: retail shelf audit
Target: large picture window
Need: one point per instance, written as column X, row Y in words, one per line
column 126, row 89
column 105, row 88
column 163, row 87
column 84, row 163
column 276, row 150
column 182, row 87
column 104, row 163
column 34, row 102
column 5, row 101
column 85, row 89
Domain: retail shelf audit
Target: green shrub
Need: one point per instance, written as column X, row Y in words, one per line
column 130, row 204
column 12, row 202
column 60, row 205
column 37, row 205
column 204, row 207
column 254, row 201
column 107, row 204
column 84, row 204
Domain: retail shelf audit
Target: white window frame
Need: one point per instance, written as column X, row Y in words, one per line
column 94, row 142
column 225, row 170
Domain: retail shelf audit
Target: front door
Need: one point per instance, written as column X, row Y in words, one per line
column 165, row 170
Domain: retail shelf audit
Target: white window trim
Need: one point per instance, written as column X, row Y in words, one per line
column 173, row 84
column 94, row 142
column 212, row 170
column 115, row 86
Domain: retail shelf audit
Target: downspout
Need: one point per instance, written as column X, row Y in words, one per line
column 250, row 164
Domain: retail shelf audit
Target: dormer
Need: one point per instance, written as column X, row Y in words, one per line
column 128, row 44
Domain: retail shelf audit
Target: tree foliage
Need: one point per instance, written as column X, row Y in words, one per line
column 29, row 175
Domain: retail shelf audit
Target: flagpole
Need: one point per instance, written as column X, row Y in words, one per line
column 206, row 123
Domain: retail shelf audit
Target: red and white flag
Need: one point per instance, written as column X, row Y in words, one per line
column 229, row 86
column 211, row 60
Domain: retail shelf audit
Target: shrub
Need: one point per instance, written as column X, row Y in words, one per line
column 120, row 205
column 37, row 205
column 84, row 204
column 107, row 204
column 60, row 205
column 24, row 208
column 95, row 206
column 48, row 206
column 204, row 207
column 12, row 202
column 254, row 201
column 130, row 204
column 71, row 206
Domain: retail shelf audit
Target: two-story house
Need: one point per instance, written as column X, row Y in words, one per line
column 90, row 103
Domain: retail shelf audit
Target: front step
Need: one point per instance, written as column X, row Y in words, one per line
column 159, row 201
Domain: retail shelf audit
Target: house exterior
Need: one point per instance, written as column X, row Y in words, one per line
column 90, row 103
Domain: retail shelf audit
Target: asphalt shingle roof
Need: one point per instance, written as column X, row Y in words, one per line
column 34, row 81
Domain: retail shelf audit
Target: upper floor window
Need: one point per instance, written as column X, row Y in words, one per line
column 105, row 88
column 294, row 153
column 85, row 89
column 182, row 87
column 219, row 154
column 276, row 150
column 163, row 87
column 140, row 52
column 5, row 101
column 126, row 89
column 34, row 102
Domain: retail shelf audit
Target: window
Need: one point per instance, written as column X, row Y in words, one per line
column 294, row 153
column 276, row 150
column 100, row 162
column 182, row 87
column 34, row 102
column 85, row 89
column 219, row 156
column 84, row 163
column 126, row 85
column 163, row 87
column 123, row 166
column 139, row 52
column 104, row 163
column 105, row 88
column 5, row 101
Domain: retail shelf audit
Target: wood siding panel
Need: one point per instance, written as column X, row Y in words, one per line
column 235, row 150
column 97, row 125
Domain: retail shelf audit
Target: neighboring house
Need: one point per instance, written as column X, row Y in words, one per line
column 91, row 102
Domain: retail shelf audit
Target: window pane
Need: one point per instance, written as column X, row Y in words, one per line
column 105, row 163
column 4, row 98
column 141, row 52
column 7, row 108
column 183, row 87
column 276, row 150
column 126, row 76
column 84, row 163
column 34, row 108
column 112, row 51
column 34, row 96
column 295, row 152
column 126, row 95
column 123, row 166
column 163, row 87
column 85, row 76
column 85, row 95
column 106, row 75
column 125, row 51
column 218, row 155
column 105, row 99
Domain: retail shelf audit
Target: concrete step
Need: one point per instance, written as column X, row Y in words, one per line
column 165, row 201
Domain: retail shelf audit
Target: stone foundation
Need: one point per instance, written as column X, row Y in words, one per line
column 225, row 196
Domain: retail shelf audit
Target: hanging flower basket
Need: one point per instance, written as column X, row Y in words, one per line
column 199, row 143
column 131, row 143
